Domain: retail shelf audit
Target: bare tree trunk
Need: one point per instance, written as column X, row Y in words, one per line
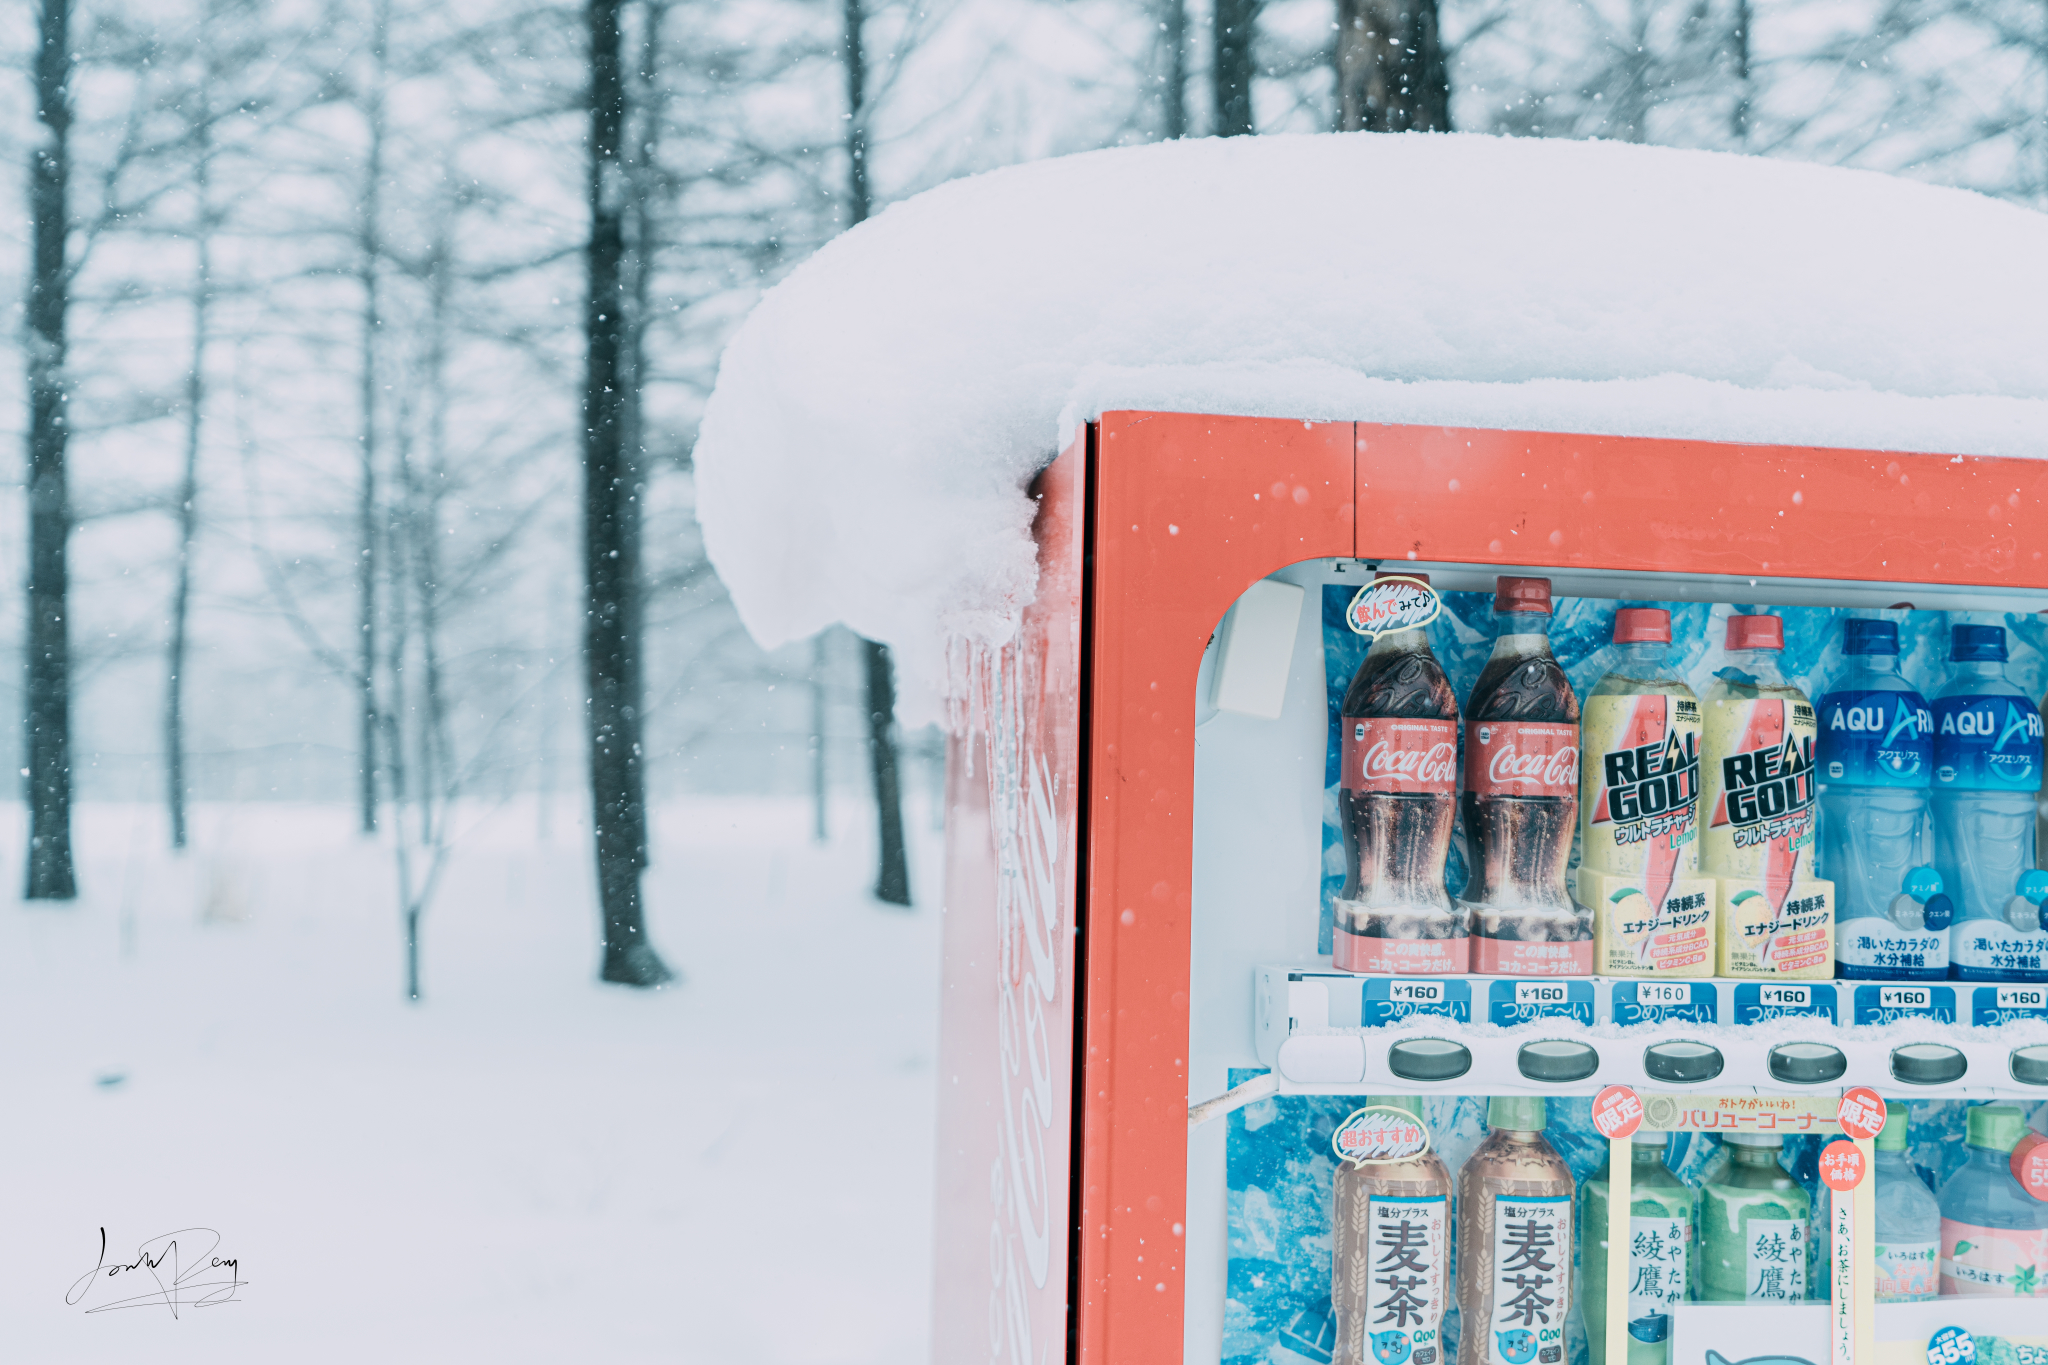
column 643, row 116
column 892, row 881
column 819, row 658
column 423, row 528
column 1392, row 76
column 892, row 877
column 610, row 549
column 1232, row 67
column 47, row 684
column 370, row 250
column 1739, row 117
column 188, row 483
column 1173, row 37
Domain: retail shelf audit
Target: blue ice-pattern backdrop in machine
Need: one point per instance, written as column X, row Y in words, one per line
column 1279, row 1164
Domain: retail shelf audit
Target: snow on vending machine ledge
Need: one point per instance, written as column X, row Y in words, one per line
column 1571, row 395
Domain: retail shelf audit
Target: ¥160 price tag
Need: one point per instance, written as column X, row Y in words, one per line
column 1951, row 1346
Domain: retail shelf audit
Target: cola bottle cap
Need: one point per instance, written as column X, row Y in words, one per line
column 1521, row 594
column 1399, row 573
column 1642, row 626
column 1756, row 632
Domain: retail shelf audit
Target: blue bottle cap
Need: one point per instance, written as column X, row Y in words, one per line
column 1923, row 884
column 1976, row 644
column 1869, row 637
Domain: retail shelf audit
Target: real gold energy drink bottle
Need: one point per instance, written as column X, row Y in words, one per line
column 1638, row 803
column 1757, row 800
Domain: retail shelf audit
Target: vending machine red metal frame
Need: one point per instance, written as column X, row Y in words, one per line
column 1062, row 1163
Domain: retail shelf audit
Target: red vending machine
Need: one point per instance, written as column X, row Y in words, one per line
column 1312, row 994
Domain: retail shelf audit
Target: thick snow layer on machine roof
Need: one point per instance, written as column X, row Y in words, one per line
column 864, row 455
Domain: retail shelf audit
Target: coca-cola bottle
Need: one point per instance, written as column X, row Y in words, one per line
column 1397, row 801
column 1522, row 798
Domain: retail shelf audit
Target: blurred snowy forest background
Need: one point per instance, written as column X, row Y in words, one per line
column 327, row 309
column 351, row 566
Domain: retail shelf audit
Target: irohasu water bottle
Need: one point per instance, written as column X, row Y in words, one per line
column 1876, row 755
column 1987, row 769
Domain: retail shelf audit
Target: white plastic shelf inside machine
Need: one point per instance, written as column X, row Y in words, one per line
column 1331, row 1032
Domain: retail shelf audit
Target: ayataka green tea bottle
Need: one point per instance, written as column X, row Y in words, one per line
column 1660, row 1241
column 1753, row 1226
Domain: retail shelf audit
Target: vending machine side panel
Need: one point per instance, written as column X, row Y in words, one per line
column 1706, row 507
column 1188, row 512
column 1006, row 1043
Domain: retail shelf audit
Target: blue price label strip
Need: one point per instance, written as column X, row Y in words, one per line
column 1656, row 1002
column 2003, row 1004
column 1515, row 1002
column 1884, row 1004
column 1951, row 1346
column 1759, row 1000
column 1389, row 999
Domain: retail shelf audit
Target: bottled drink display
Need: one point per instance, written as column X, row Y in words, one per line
column 1397, row 803
column 1514, row 1241
column 1522, row 798
column 1987, row 773
column 1660, row 1238
column 1757, row 813
column 1876, row 756
column 1391, row 1237
column 1994, row 1235
column 1638, row 807
column 1908, row 1219
column 1753, row 1226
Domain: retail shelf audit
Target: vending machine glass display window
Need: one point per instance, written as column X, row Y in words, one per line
column 1426, row 860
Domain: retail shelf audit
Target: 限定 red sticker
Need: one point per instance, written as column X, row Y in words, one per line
column 1617, row 1112
column 1862, row 1113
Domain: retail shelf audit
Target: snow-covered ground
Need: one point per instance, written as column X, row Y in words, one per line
column 526, row 1167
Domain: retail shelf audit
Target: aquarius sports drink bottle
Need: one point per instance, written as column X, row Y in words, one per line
column 1522, row 798
column 1876, row 756
column 1638, row 810
column 1397, row 802
column 1987, row 770
column 1756, row 811
column 1514, row 1241
column 1660, row 1238
column 1391, row 1226
column 1994, row 1235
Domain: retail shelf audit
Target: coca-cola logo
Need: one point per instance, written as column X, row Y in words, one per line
column 1560, row 769
column 1395, row 602
column 1379, row 1134
column 1438, row 763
